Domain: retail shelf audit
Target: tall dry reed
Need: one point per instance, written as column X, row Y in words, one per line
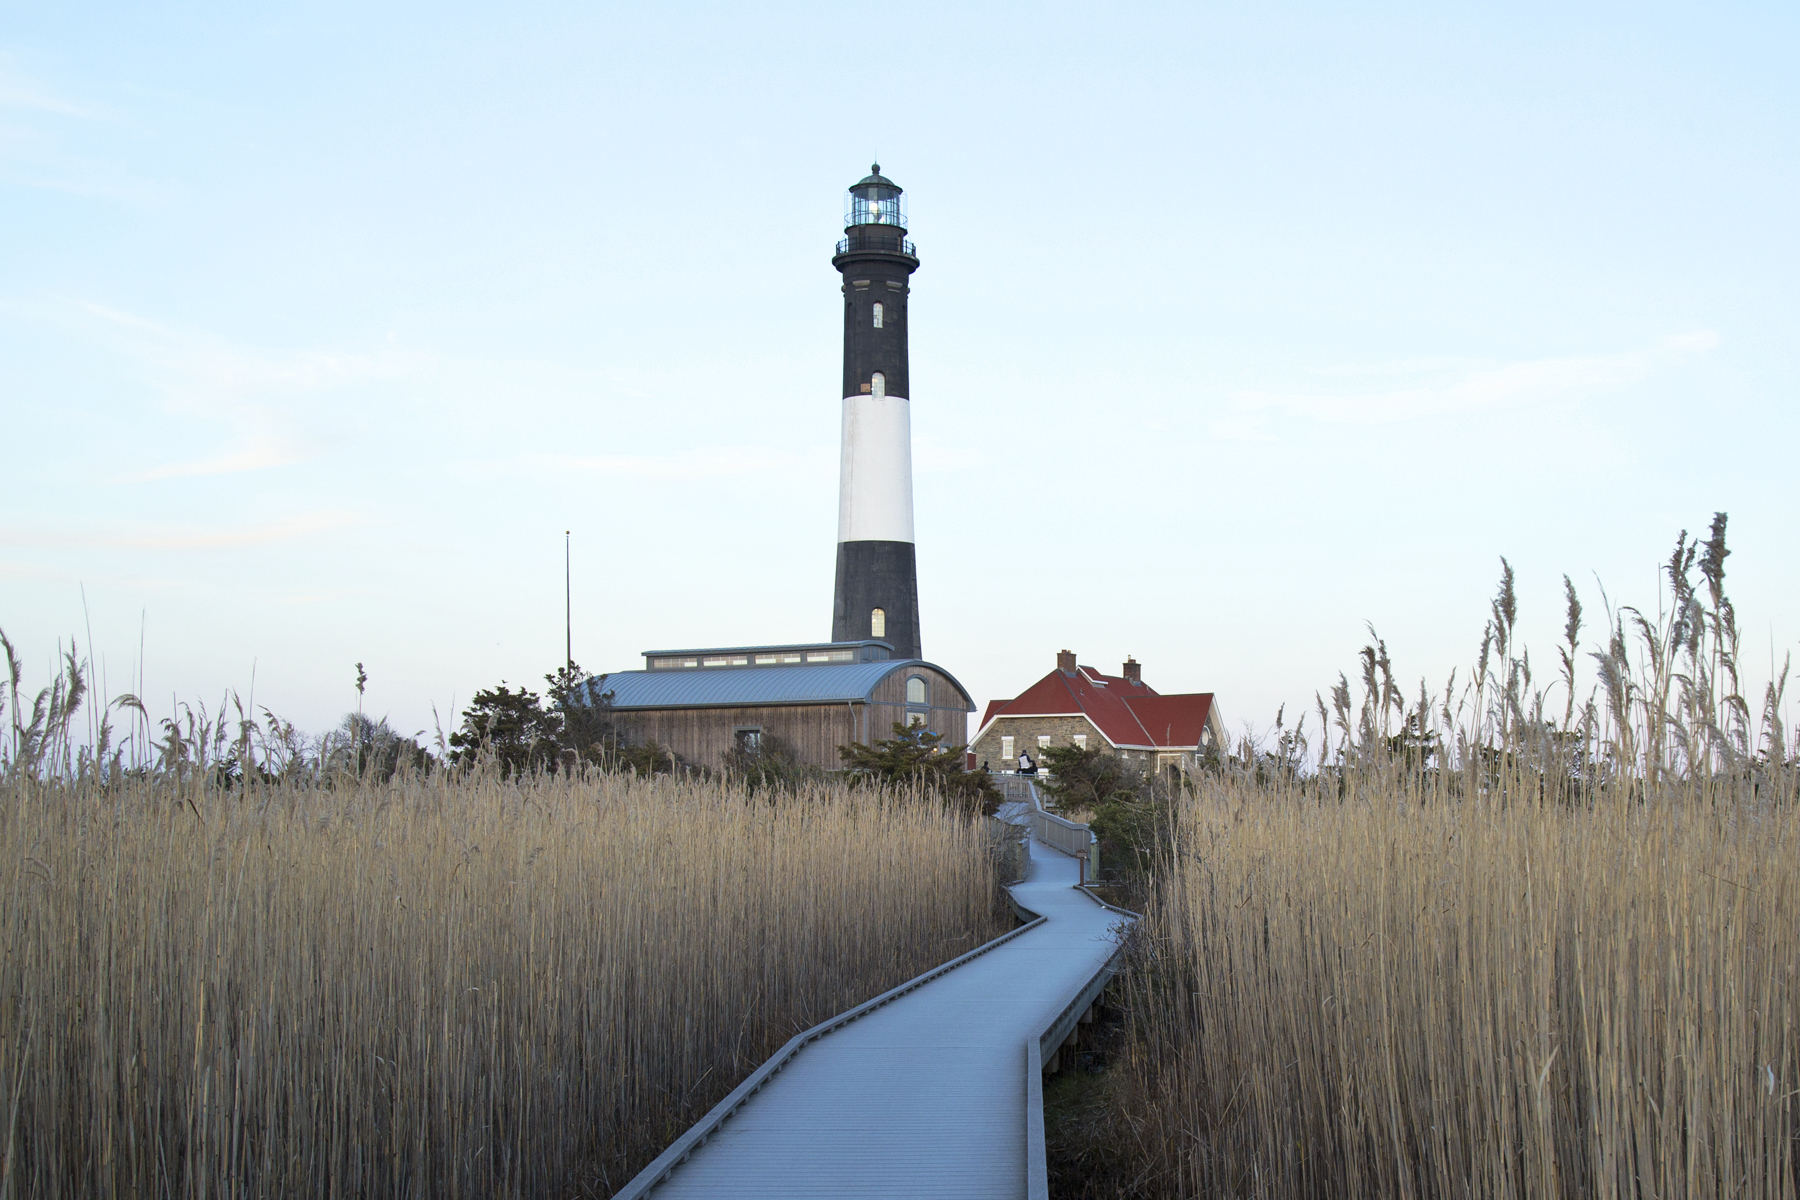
column 1389, row 990
column 438, row 987
column 1501, row 941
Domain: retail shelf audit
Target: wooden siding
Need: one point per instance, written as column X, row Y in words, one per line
column 947, row 714
column 703, row 736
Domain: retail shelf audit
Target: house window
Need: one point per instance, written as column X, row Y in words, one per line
column 749, row 741
column 878, row 314
column 1081, row 741
column 913, row 719
column 915, row 688
column 878, row 623
column 1006, row 747
column 1043, row 740
column 878, row 384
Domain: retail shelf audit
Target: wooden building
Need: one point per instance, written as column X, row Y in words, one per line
column 814, row 696
column 1078, row 706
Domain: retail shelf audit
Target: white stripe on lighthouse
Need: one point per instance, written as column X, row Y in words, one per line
column 875, row 483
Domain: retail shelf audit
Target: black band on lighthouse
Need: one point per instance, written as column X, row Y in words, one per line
column 877, row 576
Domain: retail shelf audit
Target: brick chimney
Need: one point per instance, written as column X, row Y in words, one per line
column 1065, row 661
column 1133, row 670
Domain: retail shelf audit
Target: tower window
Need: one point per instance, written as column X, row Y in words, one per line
column 878, row 623
column 878, row 384
column 915, row 690
column 878, row 314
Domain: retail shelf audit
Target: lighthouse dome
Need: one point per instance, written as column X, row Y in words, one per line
column 876, row 200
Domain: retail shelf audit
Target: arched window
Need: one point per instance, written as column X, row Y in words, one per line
column 878, row 622
column 878, row 384
column 878, row 314
column 915, row 690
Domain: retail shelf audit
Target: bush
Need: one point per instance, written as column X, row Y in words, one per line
column 1126, row 808
column 915, row 755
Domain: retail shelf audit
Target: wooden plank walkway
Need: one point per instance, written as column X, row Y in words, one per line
column 926, row 1095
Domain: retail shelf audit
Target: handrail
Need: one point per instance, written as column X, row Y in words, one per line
column 1037, row 1165
column 896, row 243
column 677, row 1153
column 1071, row 837
column 1052, row 1037
column 1037, row 1151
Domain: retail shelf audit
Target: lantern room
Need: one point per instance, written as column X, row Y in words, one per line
column 875, row 200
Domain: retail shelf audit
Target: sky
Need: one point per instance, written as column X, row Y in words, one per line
column 1239, row 329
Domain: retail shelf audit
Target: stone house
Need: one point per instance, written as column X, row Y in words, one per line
column 1077, row 705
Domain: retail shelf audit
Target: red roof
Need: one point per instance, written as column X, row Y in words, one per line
column 1126, row 713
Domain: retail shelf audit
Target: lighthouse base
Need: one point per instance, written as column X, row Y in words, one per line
column 877, row 575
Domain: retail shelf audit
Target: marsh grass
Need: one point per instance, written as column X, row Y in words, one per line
column 1506, row 940
column 437, row 986
column 1383, row 994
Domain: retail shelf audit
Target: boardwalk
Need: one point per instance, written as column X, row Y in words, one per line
column 927, row 1095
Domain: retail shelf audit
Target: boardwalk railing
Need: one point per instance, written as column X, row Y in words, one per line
column 1045, row 1049
column 1019, row 986
column 1071, row 837
column 706, row 1126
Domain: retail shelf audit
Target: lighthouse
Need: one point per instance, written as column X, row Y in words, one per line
column 877, row 594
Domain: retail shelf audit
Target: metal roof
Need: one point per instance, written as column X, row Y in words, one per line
column 825, row 683
column 876, row 179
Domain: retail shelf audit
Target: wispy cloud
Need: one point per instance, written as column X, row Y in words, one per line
column 1448, row 388
column 694, row 464
column 319, row 597
column 53, row 142
column 175, row 537
column 255, row 457
column 18, row 91
column 263, row 402
column 203, row 368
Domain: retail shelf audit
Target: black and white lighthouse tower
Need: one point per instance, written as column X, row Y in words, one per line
column 877, row 582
